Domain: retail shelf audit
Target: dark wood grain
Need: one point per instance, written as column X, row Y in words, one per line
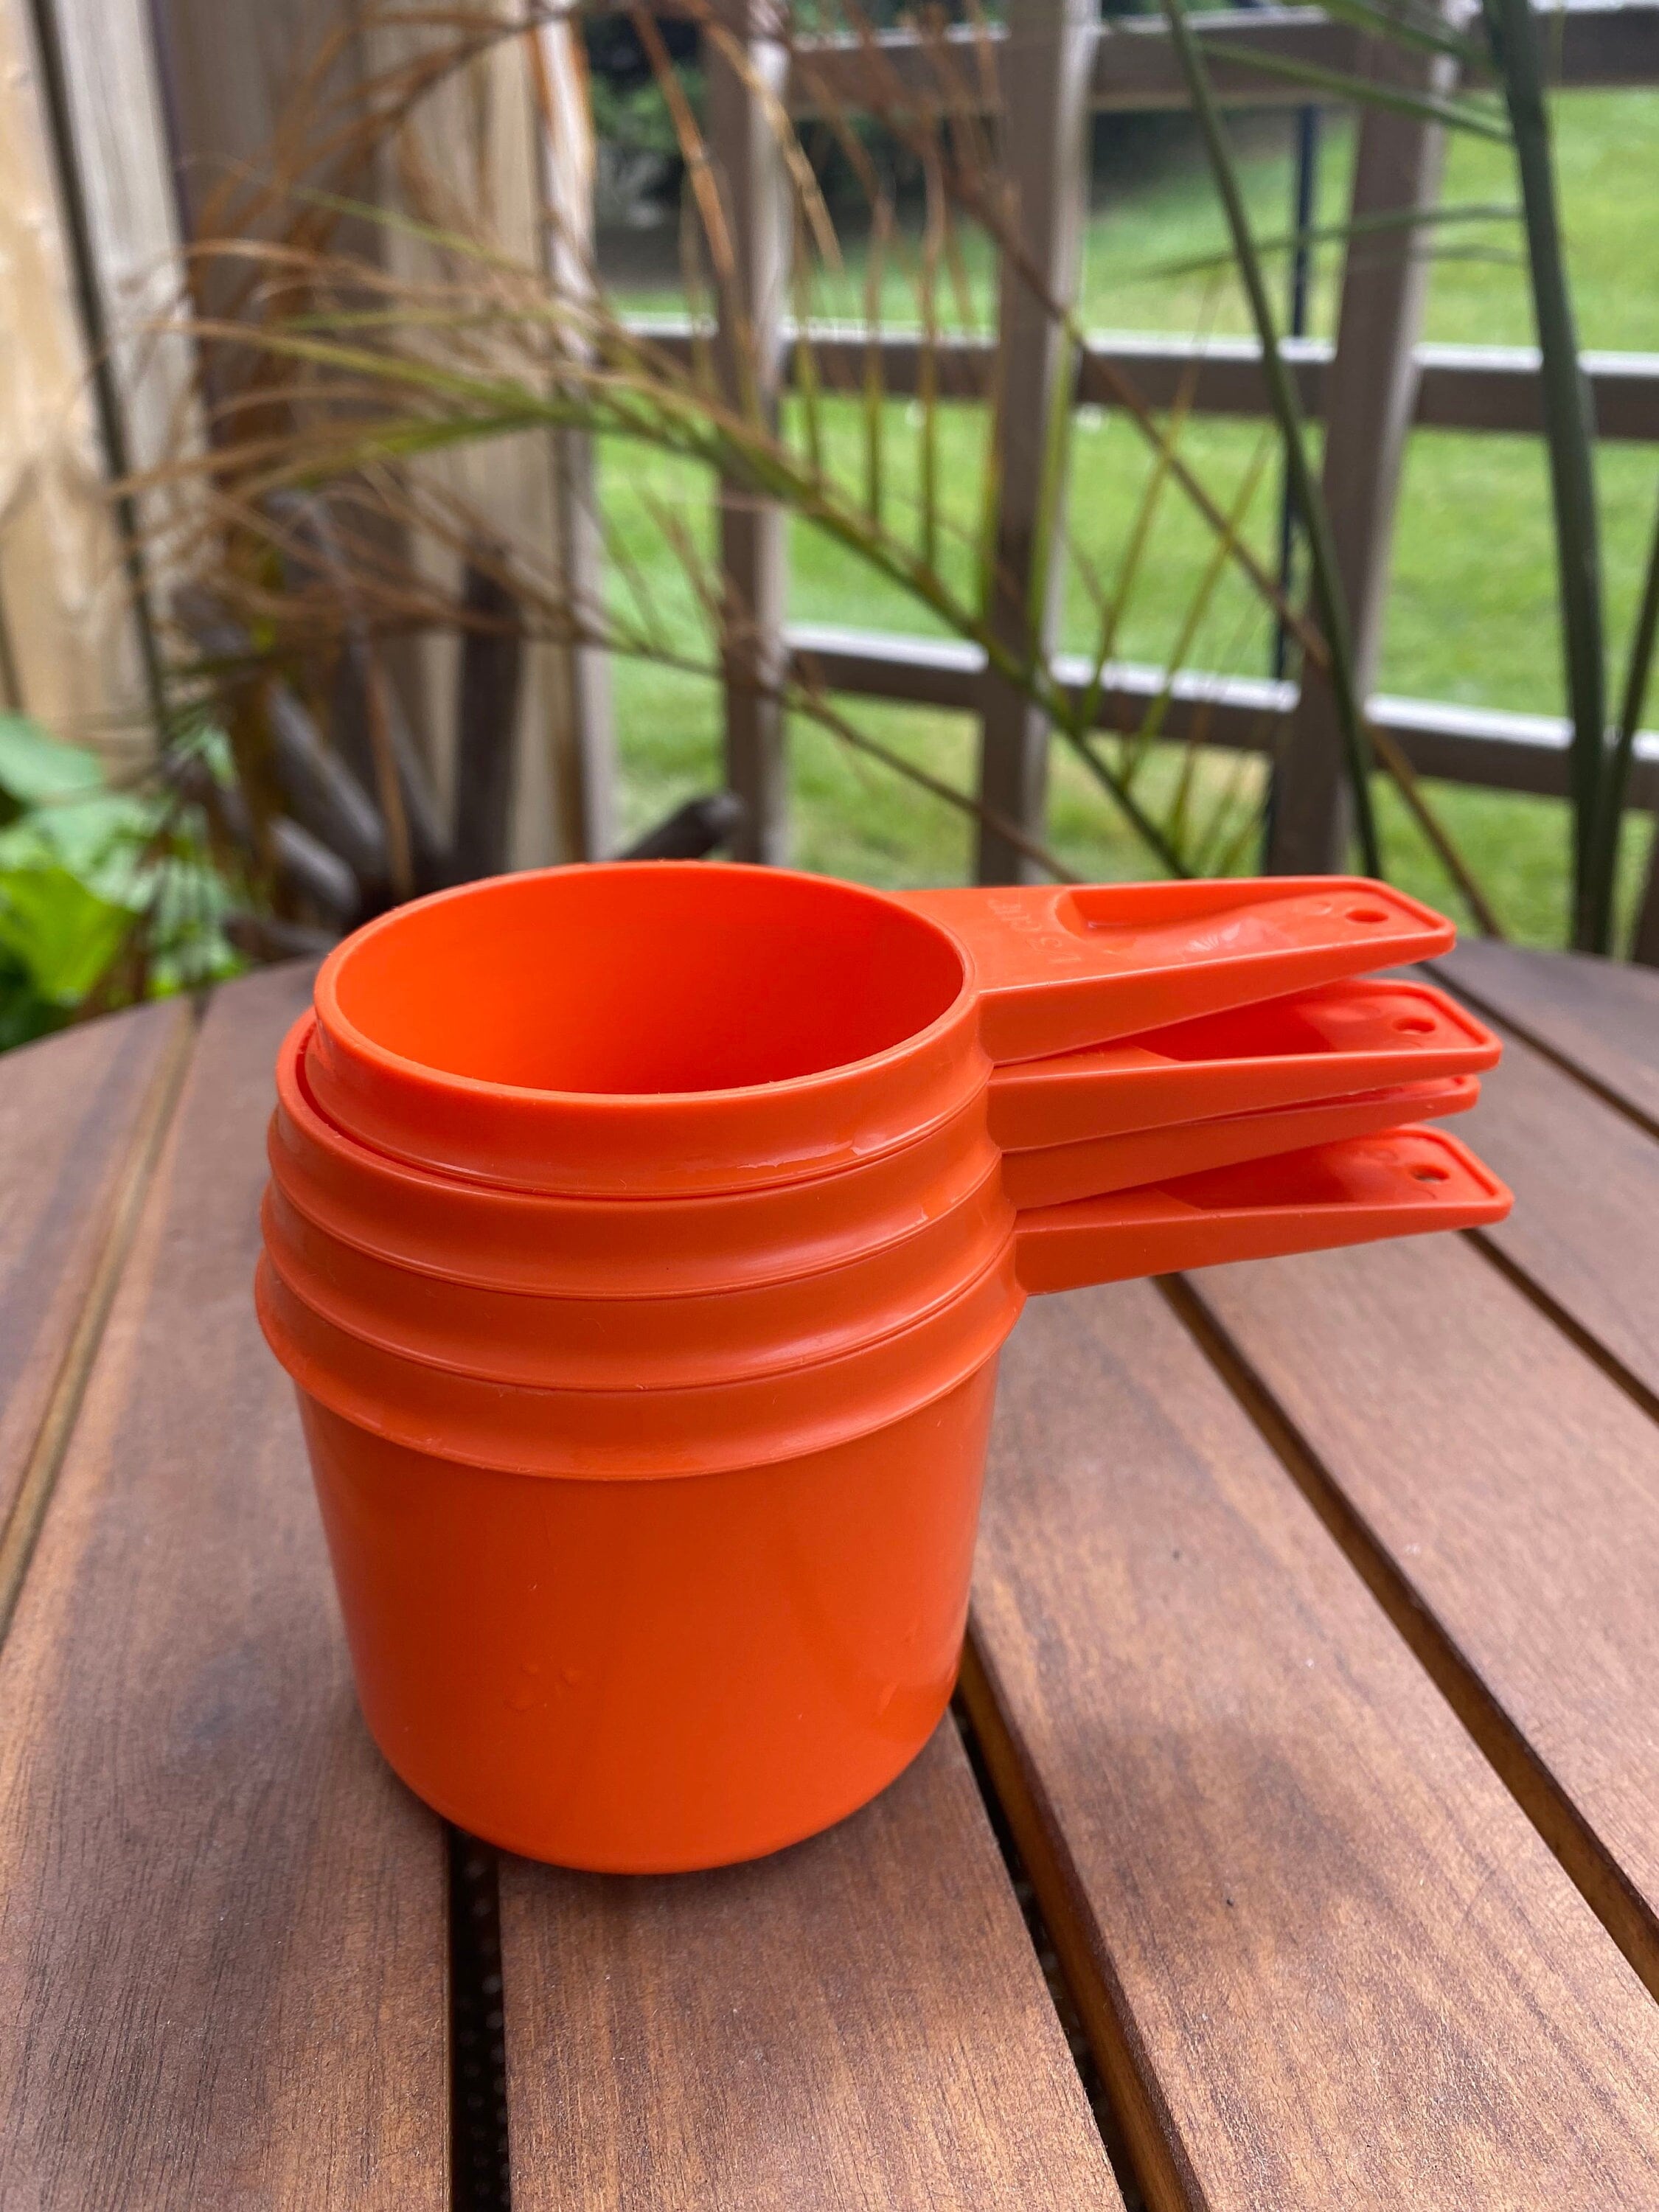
column 1325, row 1960
column 222, row 1931
column 71, row 1109
column 1601, row 1016
column 1513, row 1490
column 857, row 2025
column 1585, row 1227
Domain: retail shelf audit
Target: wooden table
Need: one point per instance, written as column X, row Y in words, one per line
column 1297, row 1843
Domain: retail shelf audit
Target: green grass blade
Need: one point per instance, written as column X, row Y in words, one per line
column 1051, row 482
column 1405, row 27
column 1286, row 405
column 874, row 391
column 1329, row 233
column 1516, row 55
column 807, row 385
column 1633, row 701
column 1151, row 723
column 1116, row 607
column 1365, row 92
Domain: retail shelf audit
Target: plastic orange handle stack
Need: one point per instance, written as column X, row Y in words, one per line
column 642, row 1239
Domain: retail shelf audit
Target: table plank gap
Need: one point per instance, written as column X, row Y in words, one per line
column 1598, row 1020
column 1102, row 2099
column 1152, row 2147
column 480, row 2153
column 1617, row 1902
column 221, row 1921
column 40, row 1470
column 859, row 2023
column 1586, row 1180
column 1514, row 1489
column 73, row 1114
column 1325, row 1957
column 1573, row 1328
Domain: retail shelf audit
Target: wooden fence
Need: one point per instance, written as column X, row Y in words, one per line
column 111, row 111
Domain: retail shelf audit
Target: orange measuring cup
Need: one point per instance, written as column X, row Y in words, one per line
column 1368, row 1033
column 471, row 1232
column 1057, row 1174
column 656, row 1028
column 661, row 1629
column 644, row 1677
column 641, row 1251
column 635, row 1343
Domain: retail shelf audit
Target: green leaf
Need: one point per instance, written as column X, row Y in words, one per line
column 61, row 934
column 24, row 1014
column 99, row 838
column 36, row 769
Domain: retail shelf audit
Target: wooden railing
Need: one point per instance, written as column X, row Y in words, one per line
column 1370, row 390
column 194, row 85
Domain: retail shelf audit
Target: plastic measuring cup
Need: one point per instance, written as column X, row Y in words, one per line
column 656, row 1028
column 1059, row 1175
column 647, row 1677
column 506, row 1239
column 641, row 1253
column 657, row 1630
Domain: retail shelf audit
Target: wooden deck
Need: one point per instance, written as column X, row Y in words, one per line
column 1297, row 1844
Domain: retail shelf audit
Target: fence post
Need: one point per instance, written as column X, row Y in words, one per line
column 754, row 556
column 486, row 136
column 483, row 139
column 72, row 640
column 1645, row 942
column 1045, row 64
column 1370, row 391
column 588, row 760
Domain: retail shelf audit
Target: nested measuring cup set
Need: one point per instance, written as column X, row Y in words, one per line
column 642, row 1238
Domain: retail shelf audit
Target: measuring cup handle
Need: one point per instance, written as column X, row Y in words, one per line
column 1060, row 967
column 1403, row 1184
column 1366, row 1034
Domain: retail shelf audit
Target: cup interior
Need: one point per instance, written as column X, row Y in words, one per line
column 644, row 979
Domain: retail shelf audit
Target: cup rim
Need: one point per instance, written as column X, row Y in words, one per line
column 337, row 1026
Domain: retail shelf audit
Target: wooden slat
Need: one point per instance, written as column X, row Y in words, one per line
column 1597, row 1016
column 1458, row 387
column 1585, row 1227
column 1370, row 398
column 1046, row 59
column 70, row 652
column 475, row 142
column 1486, row 1467
column 1593, row 42
column 857, row 2025
column 1465, row 745
column 1325, row 1960
column 222, row 1978
column 754, row 550
column 125, row 170
column 1644, row 939
column 78, row 1114
column 587, row 767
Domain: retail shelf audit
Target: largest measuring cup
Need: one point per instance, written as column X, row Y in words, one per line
column 644, row 1628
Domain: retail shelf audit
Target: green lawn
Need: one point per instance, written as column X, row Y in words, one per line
column 1472, row 611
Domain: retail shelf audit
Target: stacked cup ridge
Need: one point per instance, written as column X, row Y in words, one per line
column 639, row 1247
column 577, row 1183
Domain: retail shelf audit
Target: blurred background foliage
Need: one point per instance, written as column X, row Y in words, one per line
column 1471, row 615
column 106, row 896
column 108, row 893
